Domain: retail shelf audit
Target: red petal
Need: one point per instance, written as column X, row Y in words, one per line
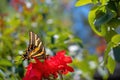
column 68, row 59
column 61, row 53
column 32, row 72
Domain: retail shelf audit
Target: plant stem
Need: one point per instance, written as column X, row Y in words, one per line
column 61, row 77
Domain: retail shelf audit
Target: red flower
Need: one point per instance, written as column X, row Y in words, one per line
column 50, row 67
column 32, row 73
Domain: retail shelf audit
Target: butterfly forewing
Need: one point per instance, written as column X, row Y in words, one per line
column 35, row 48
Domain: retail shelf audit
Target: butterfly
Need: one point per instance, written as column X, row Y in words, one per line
column 35, row 48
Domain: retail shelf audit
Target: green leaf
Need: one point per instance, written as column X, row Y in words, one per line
column 111, row 64
column 103, row 2
column 105, row 17
column 91, row 18
column 5, row 62
column 18, row 60
column 103, row 30
column 116, row 39
column 109, row 34
column 112, row 5
column 82, row 2
column 116, row 51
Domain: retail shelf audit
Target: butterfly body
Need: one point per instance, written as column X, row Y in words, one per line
column 35, row 48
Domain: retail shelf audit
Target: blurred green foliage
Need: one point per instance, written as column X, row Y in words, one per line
column 104, row 19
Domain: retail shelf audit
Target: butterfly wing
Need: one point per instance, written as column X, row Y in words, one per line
column 36, row 47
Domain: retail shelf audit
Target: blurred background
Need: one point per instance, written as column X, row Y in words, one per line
column 61, row 26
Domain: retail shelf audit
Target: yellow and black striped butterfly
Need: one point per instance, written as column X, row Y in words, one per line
column 35, row 48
